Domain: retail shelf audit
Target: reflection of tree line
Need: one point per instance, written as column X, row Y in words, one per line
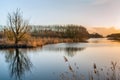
column 70, row 51
column 19, row 63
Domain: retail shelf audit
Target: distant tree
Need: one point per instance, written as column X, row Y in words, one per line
column 76, row 32
column 17, row 26
column 95, row 35
column 114, row 36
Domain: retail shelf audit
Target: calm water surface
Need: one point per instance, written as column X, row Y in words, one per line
column 49, row 62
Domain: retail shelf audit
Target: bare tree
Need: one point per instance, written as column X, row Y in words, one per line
column 17, row 26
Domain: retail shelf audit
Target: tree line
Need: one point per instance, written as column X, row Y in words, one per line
column 60, row 31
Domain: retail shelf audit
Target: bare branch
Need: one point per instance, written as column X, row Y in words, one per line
column 17, row 25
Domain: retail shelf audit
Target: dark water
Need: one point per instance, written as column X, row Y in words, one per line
column 49, row 62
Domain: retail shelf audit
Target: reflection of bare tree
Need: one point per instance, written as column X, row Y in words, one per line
column 19, row 63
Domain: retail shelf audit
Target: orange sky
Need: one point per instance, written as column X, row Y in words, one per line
column 102, row 30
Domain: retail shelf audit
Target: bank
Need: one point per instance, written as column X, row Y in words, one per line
column 39, row 42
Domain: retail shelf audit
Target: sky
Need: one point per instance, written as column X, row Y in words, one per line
column 92, row 13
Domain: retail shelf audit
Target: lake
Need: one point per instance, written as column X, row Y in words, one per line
column 59, row 61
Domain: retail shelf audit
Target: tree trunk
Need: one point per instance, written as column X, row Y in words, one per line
column 16, row 42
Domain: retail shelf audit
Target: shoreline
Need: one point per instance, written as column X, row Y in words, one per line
column 38, row 43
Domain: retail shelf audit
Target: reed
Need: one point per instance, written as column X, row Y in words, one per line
column 34, row 42
column 97, row 73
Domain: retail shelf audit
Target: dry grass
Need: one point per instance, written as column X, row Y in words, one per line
column 105, row 73
column 43, row 41
column 34, row 42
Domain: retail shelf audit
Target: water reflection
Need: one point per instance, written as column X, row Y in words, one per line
column 112, row 72
column 69, row 51
column 19, row 63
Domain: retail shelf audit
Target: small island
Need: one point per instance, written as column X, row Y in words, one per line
column 115, row 36
column 95, row 35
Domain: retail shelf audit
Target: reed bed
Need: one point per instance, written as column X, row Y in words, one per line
column 34, row 42
column 96, row 73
